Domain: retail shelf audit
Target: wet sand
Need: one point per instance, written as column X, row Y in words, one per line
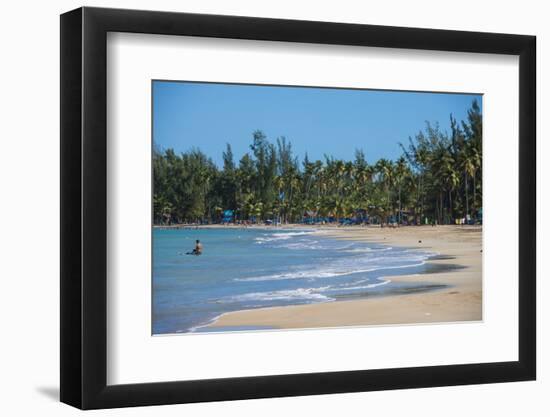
column 457, row 295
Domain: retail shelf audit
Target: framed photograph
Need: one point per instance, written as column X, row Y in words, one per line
column 258, row 208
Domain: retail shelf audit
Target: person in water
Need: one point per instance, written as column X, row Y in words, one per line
column 198, row 248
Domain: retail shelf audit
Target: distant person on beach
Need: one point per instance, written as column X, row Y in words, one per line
column 198, row 248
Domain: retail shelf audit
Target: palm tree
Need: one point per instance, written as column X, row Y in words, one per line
column 435, row 177
column 475, row 156
column 400, row 175
column 448, row 179
column 468, row 166
column 384, row 167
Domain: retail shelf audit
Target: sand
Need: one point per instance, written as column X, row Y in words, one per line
column 460, row 301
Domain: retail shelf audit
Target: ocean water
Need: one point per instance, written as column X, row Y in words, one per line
column 253, row 268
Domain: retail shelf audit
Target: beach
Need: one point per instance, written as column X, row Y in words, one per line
column 458, row 298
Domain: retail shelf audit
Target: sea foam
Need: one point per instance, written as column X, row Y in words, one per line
column 247, row 269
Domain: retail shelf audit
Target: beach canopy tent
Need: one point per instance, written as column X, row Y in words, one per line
column 228, row 216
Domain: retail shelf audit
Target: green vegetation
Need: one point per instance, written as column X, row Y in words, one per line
column 437, row 179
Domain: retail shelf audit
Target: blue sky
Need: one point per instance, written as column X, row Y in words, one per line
column 316, row 120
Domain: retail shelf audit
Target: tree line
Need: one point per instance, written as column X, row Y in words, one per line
column 437, row 179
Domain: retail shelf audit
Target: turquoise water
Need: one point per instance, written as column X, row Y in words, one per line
column 253, row 268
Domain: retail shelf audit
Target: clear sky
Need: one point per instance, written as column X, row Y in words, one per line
column 316, row 120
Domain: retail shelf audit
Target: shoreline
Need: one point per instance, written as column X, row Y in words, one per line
column 259, row 226
column 459, row 301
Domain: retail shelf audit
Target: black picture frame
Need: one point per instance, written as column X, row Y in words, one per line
column 84, row 207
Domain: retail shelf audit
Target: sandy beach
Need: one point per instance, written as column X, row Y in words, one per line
column 460, row 257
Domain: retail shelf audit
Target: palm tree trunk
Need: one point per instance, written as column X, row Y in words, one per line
column 474, row 203
column 418, row 202
column 466, row 191
column 399, row 204
column 389, row 202
column 422, row 214
column 440, row 207
column 451, row 206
